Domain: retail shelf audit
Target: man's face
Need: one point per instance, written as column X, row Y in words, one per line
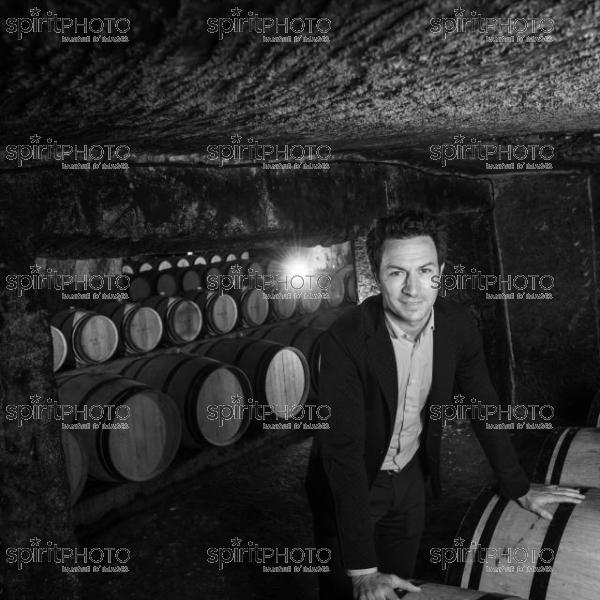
column 405, row 273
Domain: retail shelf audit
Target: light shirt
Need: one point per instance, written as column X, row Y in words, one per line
column 414, row 365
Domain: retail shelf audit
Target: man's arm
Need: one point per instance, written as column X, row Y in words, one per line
column 342, row 448
column 474, row 382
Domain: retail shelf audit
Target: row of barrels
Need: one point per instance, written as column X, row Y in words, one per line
column 510, row 550
column 131, row 267
column 338, row 287
column 130, row 425
column 206, row 396
column 268, row 263
column 91, row 337
column 94, row 336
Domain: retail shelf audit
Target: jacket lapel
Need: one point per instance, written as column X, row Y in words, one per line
column 442, row 352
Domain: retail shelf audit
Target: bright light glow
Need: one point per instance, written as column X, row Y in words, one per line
column 295, row 266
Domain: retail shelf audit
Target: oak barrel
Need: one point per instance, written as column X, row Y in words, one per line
column 305, row 339
column 435, row 591
column 183, row 261
column 283, row 304
column 139, row 428
column 593, row 419
column 570, row 456
column 310, row 299
column 182, row 318
column 273, row 266
column 91, row 338
column 76, row 463
column 140, row 327
column 279, row 374
column 189, row 279
column 129, row 268
column 59, row 348
column 253, row 306
column 501, row 547
column 165, row 282
column 220, row 310
column 162, row 264
column 212, row 397
column 140, row 286
column 210, row 277
column 342, row 287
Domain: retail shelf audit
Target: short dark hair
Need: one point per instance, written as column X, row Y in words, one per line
column 407, row 223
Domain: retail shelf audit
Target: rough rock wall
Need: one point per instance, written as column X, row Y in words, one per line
column 385, row 76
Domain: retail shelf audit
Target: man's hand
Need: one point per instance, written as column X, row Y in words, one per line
column 379, row 586
column 540, row 495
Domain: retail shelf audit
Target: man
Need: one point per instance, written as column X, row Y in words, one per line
column 384, row 363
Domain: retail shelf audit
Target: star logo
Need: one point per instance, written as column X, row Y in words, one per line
column 35, row 269
column 459, row 268
column 34, row 12
column 236, row 12
column 34, row 139
column 34, row 541
column 458, row 139
column 236, row 399
column 459, row 541
column 235, row 542
column 235, row 269
column 236, row 139
column 459, row 12
column 35, row 398
column 458, row 399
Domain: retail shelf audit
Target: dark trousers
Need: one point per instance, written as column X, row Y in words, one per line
column 397, row 507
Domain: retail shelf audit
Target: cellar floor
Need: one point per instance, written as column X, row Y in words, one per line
column 259, row 498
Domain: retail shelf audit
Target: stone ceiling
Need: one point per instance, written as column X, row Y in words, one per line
column 384, row 86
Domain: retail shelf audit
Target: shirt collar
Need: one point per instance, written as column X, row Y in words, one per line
column 397, row 332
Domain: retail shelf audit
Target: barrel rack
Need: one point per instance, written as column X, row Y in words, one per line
column 110, row 501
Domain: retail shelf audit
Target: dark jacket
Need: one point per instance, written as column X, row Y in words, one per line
column 358, row 380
